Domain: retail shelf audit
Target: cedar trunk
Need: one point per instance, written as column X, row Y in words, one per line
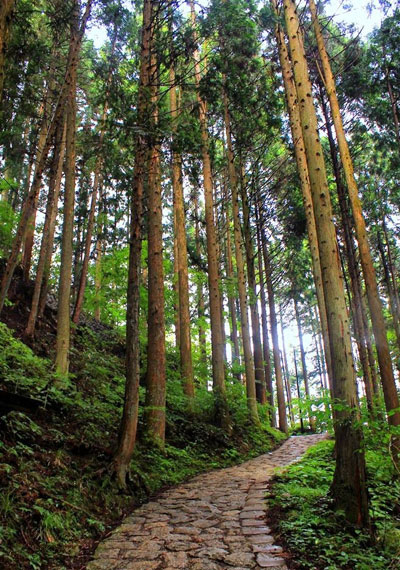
column 128, row 427
column 348, row 487
column 374, row 302
column 248, row 357
column 217, row 337
column 185, row 343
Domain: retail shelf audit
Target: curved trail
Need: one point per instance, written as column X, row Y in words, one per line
column 216, row 520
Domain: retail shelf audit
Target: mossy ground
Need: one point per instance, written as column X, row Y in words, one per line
column 57, row 496
column 318, row 537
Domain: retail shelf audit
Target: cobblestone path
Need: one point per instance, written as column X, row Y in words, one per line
column 215, row 520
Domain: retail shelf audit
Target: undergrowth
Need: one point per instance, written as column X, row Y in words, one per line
column 57, row 496
column 316, row 535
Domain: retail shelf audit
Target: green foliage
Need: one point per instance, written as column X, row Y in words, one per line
column 8, row 221
column 20, row 369
column 317, row 535
column 55, row 487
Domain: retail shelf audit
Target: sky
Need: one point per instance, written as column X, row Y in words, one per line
column 356, row 13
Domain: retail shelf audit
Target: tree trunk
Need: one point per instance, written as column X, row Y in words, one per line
column 99, row 256
column 248, row 357
column 298, row 391
column 128, row 427
column 95, row 191
column 200, row 293
column 302, row 169
column 46, row 247
column 217, row 340
column 348, row 487
column 253, row 301
column 6, row 10
column 185, row 343
column 360, row 333
column 231, row 296
column 46, row 113
column 285, row 370
column 264, row 322
column 378, row 323
column 275, row 340
column 311, row 419
column 64, row 288
column 156, row 359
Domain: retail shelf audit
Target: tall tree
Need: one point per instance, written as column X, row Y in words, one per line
column 64, row 289
column 248, row 356
column 185, row 344
column 217, row 340
column 55, row 125
column 128, row 427
column 348, row 487
column 374, row 302
column 302, row 169
column 6, row 10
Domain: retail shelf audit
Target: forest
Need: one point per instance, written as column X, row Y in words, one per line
column 199, row 265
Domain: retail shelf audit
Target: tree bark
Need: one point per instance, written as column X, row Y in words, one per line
column 46, row 247
column 361, row 333
column 64, row 287
column 248, row 356
column 231, row 297
column 185, row 343
column 285, row 371
column 378, row 324
column 264, row 323
column 156, row 359
column 311, row 419
column 95, row 191
column 275, row 340
column 302, row 169
column 128, row 426
column 253, row 301
column 348, row 487
column 6, row 10
column 217, row 340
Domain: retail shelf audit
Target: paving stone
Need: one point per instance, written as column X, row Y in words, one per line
column 213, row 522
column 266, row 561
column 176, row 559
column 267, row 548
column 246, row 514
column 240, row 559
column 103, row 552
column 102, row 564
column 253, row 522
column 256, row 530
column 261, row 538
column 205, row 564
column 140, row 565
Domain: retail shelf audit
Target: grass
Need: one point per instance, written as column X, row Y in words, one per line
column 57, row 496
column 319, row 538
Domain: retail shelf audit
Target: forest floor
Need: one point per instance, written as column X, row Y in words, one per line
column 58, row 497
column 216, row 520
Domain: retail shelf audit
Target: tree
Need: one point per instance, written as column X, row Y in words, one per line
column 374, row 302
column 128, row 427
column 217, row 341
column 348, row 487
column 6, row 10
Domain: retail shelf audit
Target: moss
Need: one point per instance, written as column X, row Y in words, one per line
column 56, row 494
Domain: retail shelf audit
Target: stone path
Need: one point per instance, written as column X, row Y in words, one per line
column 215, row 520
